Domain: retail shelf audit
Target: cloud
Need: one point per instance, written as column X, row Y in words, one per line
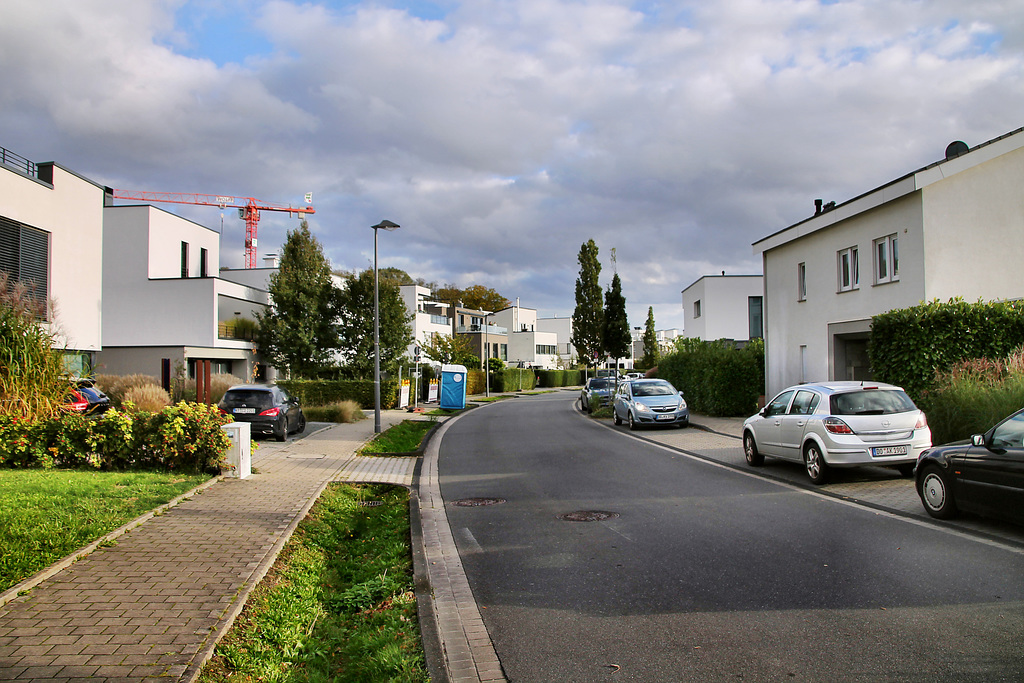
column 501, row 134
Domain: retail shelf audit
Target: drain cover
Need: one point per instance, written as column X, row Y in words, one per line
column 370, row 503
column 477, row 502
column 588, row 516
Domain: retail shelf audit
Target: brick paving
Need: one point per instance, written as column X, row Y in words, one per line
column 151, row 604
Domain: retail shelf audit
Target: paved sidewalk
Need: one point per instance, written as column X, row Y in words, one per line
column 152, row 605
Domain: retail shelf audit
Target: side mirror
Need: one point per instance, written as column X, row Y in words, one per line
column 978, row 440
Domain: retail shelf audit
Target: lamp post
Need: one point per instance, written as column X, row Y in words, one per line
column 386, row 225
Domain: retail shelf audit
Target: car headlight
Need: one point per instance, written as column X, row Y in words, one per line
column 642, row 408
column 682, row 404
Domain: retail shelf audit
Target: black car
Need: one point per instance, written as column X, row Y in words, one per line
column 983, row 475
column 267, row 409
column 85, row 398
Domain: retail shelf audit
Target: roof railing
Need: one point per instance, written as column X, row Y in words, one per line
column 18, row 162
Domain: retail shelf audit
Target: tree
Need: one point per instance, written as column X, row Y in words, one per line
column 650, row 358
column 297, row 331
column 588, row 318
column 395, row 276
column 483, row 298
column 356, row 324
column 447, row 348
column 615, row 338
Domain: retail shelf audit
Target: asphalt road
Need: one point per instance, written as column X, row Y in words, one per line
column 705, row 573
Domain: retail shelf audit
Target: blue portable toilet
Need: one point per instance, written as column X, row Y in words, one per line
column 453, row 387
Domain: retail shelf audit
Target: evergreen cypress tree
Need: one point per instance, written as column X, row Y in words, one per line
column 650, row 358
column 588, row 318
column 616, row 338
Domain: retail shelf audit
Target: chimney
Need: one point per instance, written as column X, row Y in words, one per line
column 817, row 206
column 270, row 261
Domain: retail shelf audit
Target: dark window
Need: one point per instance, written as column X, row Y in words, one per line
column 871, row 402
column 755, row 317
column 204, row 257
column 184, row 259
column 25, row 256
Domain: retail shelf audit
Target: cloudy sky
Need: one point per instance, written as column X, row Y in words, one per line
column 503, row 134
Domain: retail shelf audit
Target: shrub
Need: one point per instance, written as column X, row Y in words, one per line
column 147, row 398
column 220, row 383
column 342, row 411
column 319, row 392
column 115, row 386
column 717, row 378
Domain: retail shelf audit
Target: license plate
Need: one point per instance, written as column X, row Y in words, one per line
column 882, row 451
column 244, row 411
column 665, row 417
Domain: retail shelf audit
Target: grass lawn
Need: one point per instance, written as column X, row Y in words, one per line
column 404, row 437
column 492, row 399
column 45, row 515
column 338, row 605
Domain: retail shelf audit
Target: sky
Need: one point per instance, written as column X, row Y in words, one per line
column 502, row 135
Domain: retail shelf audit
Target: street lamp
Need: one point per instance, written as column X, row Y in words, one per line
column 386, row 225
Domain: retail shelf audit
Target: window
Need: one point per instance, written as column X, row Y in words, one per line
column 779, row 404
column 546, row 349
column 25, row 257
column 804, row 403
column 801, row 282
column 184, row 259
column 696, row 309
column 849, row 269
column 887, row 259
column 204, row 257
column 755, row 324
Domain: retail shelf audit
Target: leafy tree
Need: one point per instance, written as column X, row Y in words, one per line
column 356, row 324
column 484, row 299
column 588, row 318
column 650, row 358
column 616, row 339
column 395, row 276
column 297, row 331
column 447, row 348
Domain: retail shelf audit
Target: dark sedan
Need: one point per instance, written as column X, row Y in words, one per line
column 267, row 409
column 984, row 475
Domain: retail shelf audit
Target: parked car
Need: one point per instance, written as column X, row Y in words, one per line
column 983, row 475
column 597, row 392
column 634, row 375
column 85, row 397
column 649, row 402
column 267, row 409
column 838, row 424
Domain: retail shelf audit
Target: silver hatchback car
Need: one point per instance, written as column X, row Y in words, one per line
column 838, row 424
column 649, row 402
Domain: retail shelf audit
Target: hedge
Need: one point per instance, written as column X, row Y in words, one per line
column 322, row 392
column 186, row 437
column 716, row 378
column 559, row 378
column 909, row 345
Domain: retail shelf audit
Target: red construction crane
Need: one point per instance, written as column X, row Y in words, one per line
column 248, row 208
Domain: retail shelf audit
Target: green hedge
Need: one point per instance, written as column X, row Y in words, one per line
column 909, row 345
column 186, row 437
column 716, row 378
column 559, row 378
column 322, row 392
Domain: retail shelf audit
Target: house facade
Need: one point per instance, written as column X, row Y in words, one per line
column 429, row 316
column 164, row 297
column 528, row 346
column 724, row 307
column 952, row 229
column 51, row 234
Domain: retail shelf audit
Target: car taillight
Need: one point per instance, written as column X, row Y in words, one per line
column 78, row 403
column 222, row 411
column 273, row 412
column 836, row 426
column 922, row 421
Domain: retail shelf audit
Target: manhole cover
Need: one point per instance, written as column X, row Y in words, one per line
column 477, row 502
column 588, row 516
column 370, row 503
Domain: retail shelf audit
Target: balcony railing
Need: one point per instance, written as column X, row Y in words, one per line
column 16, row 161
column 230, row 329
column 491, row 329
column 440, row 320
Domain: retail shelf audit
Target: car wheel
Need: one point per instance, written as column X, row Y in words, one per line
column 632, row 423
column 936, row 494
column 281, row 431
column 616, row 418
column 302, row 423
column 754, row 458
column 905, row 470
column 814, row 463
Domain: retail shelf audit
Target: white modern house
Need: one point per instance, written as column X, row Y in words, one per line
column 562, row 329
column 51, row 235
column 528, row 346
column 954, row 228
column 164, row 297
column 429, row 317
column 724, row 307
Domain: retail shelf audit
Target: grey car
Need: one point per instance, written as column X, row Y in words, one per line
column 838, row 424
column 649, row 402
column 596, row 393
column 267, row 409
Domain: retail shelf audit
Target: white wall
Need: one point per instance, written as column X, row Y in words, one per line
column 724, row 306
column 71, row 210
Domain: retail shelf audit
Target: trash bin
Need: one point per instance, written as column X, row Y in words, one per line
column 239, row 454
column 453, row 387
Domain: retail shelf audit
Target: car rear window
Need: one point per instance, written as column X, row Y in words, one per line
column 248, row 397
column 600, row 383
column 871, row 402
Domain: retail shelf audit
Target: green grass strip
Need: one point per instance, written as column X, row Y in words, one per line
column 338, row 605
column 404, row 437
column 45, row 515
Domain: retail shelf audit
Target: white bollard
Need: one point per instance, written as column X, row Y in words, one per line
column 239, row 455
